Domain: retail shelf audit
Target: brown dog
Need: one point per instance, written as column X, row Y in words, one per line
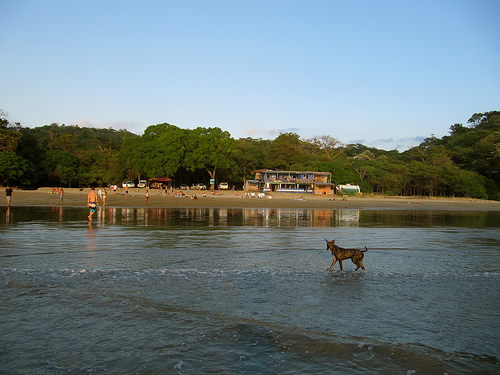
column 341, row 254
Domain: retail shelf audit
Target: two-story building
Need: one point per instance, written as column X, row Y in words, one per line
column 304, row 182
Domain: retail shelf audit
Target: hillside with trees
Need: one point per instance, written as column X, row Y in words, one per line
column 464, row 163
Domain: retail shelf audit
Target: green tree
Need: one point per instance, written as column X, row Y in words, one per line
column 330, row 147
column 132, row 157
column 62, row 167
column 486, row 121
column 65, row 142
column 4, row 123
column 14, row 169
column 285, row 150
column 462, row 183
column 162, row 150
column 210, row 149
column 9, row 136
column 342, row 175
column 251, row 155
column 475, row 148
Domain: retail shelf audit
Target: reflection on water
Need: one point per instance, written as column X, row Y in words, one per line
column 262, row 217
column 246, row 291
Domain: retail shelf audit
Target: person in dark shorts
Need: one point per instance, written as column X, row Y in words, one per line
column 9, row 193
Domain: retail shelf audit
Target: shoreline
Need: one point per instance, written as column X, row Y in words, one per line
column 73, row 197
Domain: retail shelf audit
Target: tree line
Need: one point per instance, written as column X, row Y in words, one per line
column 464, row 163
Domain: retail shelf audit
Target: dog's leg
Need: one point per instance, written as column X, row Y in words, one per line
column 359, row 263
column 356, row 261
column 340, row 262
column 334, row 261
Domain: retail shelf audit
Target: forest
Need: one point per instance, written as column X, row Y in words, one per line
column 464, row 163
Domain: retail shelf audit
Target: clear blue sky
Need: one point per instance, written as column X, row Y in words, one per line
column 383, row 73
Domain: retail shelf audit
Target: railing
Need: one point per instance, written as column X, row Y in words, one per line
column 298, row 180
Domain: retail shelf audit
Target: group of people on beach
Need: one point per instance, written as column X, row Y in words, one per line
column 59, row 191
column 102, row 194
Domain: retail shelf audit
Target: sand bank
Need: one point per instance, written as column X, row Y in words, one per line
column 232, row 199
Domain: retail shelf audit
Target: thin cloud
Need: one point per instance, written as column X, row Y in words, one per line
column 84, row 123
column 383, row 141
column 400, row 144
column 129, row 125
column 251, row 131
column 256, row 131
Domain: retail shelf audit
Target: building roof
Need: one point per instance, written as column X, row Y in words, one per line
column 160, row 179
column 294, row 172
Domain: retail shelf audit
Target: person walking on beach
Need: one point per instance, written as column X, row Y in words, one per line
column 147, row 196
column 92, row 202
column 61, row 193
column 9, row 193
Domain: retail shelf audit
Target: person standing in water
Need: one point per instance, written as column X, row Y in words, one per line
column 92, row 202
column 9, row 193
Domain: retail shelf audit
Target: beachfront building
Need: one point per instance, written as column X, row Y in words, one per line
column 304, row 182
column 160, row 183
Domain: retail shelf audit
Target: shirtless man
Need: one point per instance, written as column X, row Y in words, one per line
column 92, row 202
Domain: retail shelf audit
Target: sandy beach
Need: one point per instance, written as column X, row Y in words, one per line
column 236, row 199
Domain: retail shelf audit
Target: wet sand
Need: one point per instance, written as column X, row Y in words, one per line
column 232, row 199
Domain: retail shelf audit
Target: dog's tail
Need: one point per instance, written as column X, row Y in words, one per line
column 365, row 250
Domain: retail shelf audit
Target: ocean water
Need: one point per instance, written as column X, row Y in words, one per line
column 247, row 291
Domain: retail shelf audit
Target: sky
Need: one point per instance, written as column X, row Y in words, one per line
column 387, row 74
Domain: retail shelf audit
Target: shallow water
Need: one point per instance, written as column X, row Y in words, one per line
column 193, row 291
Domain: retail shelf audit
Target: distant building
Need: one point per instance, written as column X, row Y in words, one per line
column 304, row 182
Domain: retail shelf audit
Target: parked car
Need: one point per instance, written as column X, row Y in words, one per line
column 129, row 184
column 223, row 186
column 183, row 187
column 142, row 184
column 200, row 186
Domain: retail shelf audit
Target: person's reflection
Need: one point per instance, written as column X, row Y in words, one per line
column 91, row 246
column 103, row 215
column 7, row 216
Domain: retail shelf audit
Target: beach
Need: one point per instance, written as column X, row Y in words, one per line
column 236, row 199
